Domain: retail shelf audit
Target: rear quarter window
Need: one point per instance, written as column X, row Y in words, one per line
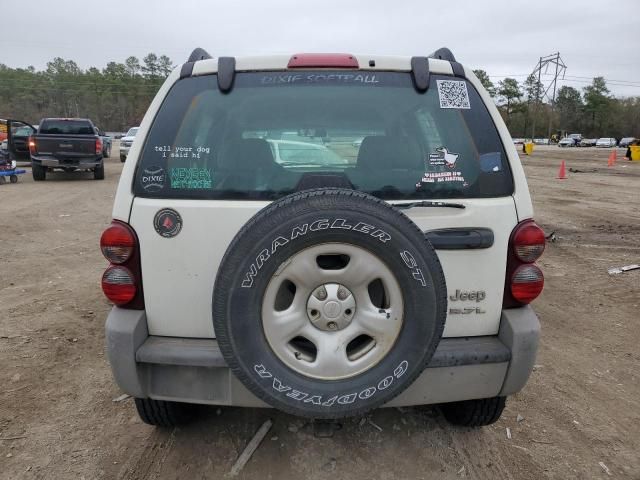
column 370, row 130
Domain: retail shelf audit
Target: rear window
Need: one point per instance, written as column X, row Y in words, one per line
column 66, row 127
column 279, row 132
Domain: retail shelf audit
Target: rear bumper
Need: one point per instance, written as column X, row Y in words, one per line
column 194, row 371
column 79, row 162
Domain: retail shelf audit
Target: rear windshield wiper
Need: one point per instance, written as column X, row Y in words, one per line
column 425, row 203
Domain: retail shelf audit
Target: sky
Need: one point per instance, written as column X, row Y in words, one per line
column 504, row 38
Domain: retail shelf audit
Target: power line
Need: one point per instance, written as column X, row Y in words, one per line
column 579, row 79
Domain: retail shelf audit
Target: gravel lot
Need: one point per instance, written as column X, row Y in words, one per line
column 581, row 408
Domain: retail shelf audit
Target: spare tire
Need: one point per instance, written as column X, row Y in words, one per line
column 329, row 303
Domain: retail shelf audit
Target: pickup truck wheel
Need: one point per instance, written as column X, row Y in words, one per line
column 107, row 152
column 123, row 158
column 329, row 303
column 98, row 172
column 474, row 413
column 13, row 179
column 3, row 180
column 39, row 172
column 162, row 413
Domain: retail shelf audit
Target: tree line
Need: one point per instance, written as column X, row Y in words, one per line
column 115, row 97
column 594, row 112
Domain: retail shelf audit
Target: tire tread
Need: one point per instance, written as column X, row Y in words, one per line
column 162, row 413
column 474, row 413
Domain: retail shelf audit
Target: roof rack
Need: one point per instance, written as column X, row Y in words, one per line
column 198, row 54
column 226, row 68
column 443, row 54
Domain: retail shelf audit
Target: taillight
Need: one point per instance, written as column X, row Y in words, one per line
column 98, row 146
column 524, row 281
column 32, row 146
column 117, row 243
column 119, row 285
column 122, row 281
column 528, row 242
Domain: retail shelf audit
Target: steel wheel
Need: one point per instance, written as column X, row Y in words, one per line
column 332, row 311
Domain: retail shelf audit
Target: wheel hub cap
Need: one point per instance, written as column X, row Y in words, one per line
column 331, row 307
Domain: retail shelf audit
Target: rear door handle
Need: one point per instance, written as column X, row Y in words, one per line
column 467, row 238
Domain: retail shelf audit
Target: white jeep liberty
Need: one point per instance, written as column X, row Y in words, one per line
column 324, row 234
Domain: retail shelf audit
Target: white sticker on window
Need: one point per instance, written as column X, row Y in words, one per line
column 453, row 94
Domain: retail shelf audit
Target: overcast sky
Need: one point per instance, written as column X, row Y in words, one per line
column 505, row 38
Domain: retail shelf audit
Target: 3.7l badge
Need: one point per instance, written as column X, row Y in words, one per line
column 167, row 223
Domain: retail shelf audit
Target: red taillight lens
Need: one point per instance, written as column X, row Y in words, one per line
column 527, row 283
column 323, row 60
column 528, row 242
column 118, row 284
column 523, row 281
column 98, row 146
column 117, row 243
column 122, row 281
column 32, row 146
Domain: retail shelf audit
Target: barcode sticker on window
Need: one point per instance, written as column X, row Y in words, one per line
column 453, row 94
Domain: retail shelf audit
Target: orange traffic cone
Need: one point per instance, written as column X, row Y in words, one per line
column 612, row 159
column 562, row 173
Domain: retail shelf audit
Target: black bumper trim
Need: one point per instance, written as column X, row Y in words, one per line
column 204, row 352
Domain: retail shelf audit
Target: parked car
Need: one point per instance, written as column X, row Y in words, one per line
column 541, row 141
column 304, row 154
column 606, row 142
column 587, row 142
column 626, row 141
column 67, row 144
column 326, row 293
column 518, row 141
column 126, row 142
column 106, row 142
column 576, row 137
column 567, row 142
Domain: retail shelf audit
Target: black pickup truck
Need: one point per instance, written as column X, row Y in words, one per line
column 67, row 144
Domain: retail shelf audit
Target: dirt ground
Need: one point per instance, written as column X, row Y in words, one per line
column 581, row 408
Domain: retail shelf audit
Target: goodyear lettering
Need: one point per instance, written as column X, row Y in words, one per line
column 340, row 399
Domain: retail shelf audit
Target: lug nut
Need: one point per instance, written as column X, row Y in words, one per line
column 332, row 325
column 342, row 293
column 321, row 293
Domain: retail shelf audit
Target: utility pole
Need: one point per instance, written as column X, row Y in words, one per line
column 560, row 69
column 535, row 107
column 553, row 98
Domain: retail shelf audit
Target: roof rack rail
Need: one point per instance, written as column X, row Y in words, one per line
column 443, row 54
column 420, row 73
column 198, row 54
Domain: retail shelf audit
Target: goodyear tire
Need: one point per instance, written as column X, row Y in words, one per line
column 329, row 303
